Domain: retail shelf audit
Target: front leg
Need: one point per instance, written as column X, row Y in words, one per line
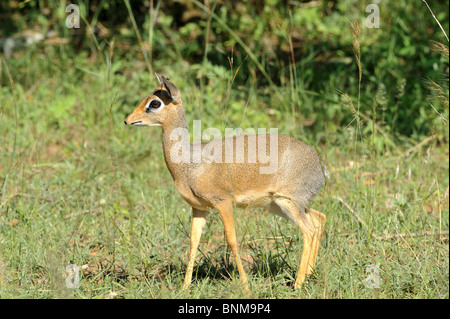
column 226, row 213
column 198, row 222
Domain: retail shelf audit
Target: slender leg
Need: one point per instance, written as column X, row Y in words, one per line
column 306, row 225
column 226, row 213
column 318, row 220
column 198, row 221
column 307, row 248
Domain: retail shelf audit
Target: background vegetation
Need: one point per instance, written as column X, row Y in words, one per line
column 77, row 187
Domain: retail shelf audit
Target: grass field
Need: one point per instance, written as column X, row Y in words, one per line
column 78, row 187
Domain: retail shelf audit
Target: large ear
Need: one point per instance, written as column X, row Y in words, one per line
column 171, row 89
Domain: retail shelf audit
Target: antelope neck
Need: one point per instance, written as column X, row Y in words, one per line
column 172, row 141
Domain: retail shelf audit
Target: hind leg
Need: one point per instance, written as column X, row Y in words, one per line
column 309, row 231
column 317, row 219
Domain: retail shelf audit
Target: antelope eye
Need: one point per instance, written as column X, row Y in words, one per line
column 155, row 104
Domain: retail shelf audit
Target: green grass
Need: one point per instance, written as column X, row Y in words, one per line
column 78, row 187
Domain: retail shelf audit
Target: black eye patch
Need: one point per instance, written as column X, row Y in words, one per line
column 162, row 94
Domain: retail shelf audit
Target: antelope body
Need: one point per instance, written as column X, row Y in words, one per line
column 226, row 180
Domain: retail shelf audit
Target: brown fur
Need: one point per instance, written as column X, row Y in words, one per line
column 221, row 185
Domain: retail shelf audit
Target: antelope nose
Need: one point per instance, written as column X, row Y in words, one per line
column 125, row 122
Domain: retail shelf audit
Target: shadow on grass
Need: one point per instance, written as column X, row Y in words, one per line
column 266, row 265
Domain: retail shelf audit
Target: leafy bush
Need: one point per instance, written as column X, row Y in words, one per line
column 300, row 51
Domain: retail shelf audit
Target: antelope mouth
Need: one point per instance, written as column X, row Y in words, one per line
column 137, row 123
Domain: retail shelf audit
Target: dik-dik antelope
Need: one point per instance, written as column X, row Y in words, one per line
column 225, row 180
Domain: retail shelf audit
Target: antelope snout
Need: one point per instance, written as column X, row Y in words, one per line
column 131, row 120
